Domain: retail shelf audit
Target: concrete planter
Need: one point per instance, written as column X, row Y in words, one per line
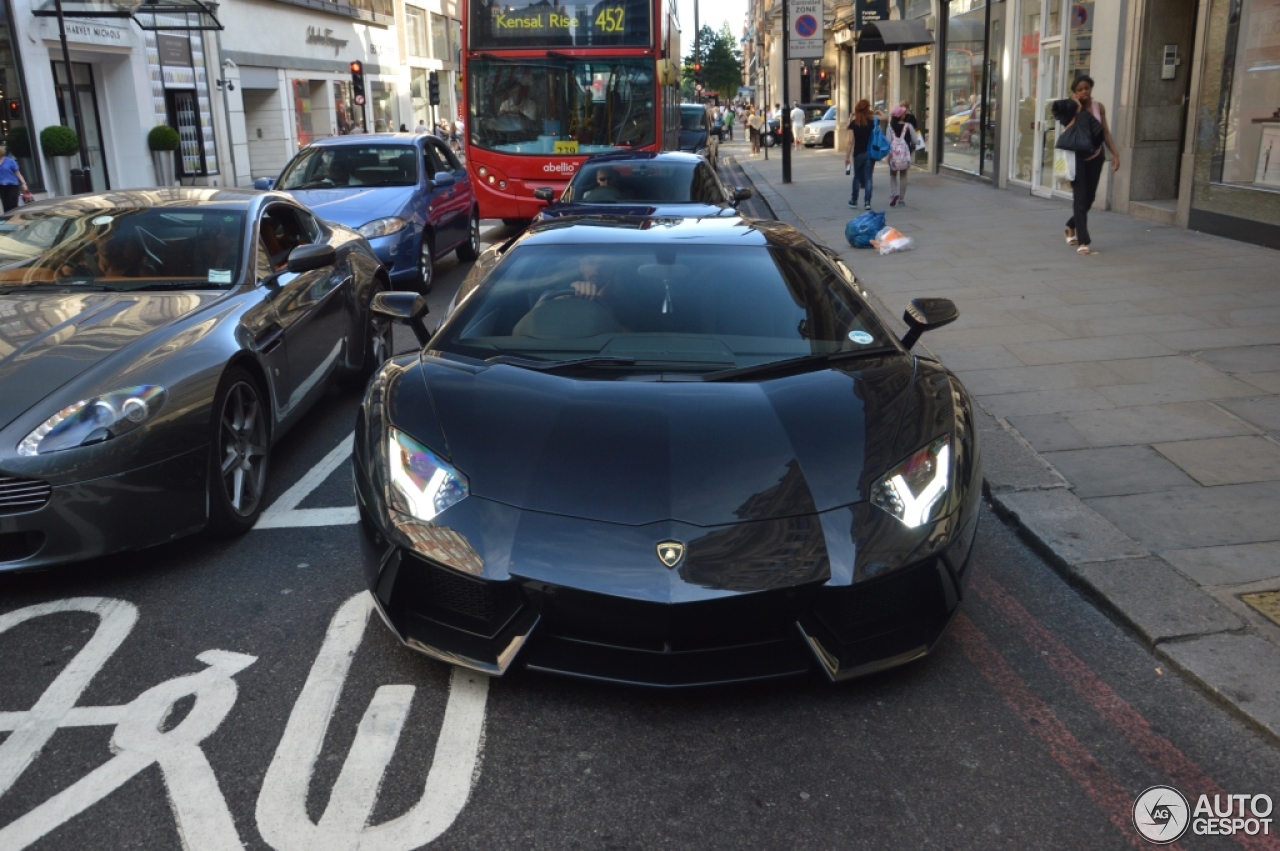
column 165, row 169
column 61, row 168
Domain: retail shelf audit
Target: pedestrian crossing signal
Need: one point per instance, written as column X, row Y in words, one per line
column 433, row 88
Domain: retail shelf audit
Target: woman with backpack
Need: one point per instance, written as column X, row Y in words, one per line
column 856, row 160
column 902, row 141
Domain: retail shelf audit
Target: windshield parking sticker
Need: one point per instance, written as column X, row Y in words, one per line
column 862, row 338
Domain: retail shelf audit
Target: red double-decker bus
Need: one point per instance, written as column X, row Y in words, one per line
column 547, row 85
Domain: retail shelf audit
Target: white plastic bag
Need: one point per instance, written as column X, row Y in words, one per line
column 1064, row 164
column 890, row 239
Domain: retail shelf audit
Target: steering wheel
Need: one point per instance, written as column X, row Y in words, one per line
column 552, row 295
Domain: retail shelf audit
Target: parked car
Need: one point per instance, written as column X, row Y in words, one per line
column 821, row 131
column 814, row 111
column 667, row 452
column 156, row 345
column 406, row 193
column 643, row 183
column 697, row 136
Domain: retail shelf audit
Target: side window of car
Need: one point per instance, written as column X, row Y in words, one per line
column 446, row 156
column 431, row 160
column 279, row 232
column 308, row 226
column 706, row 189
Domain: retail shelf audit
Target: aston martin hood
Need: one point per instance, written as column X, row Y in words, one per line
column 636, row 452
column 47, row 339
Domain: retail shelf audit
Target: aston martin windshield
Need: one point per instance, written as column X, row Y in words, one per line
column 121, row 249
column 697, row 307
column 349, row 165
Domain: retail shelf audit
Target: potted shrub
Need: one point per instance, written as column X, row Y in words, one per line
column 59, row 143
column 163, row 140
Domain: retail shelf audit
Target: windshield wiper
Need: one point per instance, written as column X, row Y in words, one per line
column 800, row 364
column 62, row 286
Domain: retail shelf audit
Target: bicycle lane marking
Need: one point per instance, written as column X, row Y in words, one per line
column 200, row 810
column 284, row 512
column 1039, row 719
column 1159, row 752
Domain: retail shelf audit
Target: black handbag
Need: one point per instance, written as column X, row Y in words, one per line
column 1081, row 135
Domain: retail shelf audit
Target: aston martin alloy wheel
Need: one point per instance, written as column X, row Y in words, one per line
column 239, row 456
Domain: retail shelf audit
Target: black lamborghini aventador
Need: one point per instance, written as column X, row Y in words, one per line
column 667, row 452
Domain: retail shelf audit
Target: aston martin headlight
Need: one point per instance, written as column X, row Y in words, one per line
column 911, row 489
column 94, row 420
column 422, row 485
column 382, row 227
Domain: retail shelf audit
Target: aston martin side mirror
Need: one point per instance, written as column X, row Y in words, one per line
column 926, row 314
column 741, row 193
column 406, row 309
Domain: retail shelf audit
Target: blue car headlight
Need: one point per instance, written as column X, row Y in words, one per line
column 912, row 489
column 422, row 485
column 94, row 420
column 382, row 227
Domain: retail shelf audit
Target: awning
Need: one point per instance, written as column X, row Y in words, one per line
column 884, row 36
column 150, row 14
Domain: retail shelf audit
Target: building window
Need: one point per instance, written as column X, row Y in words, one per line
column 416, row 35
column 384, row 106
column 967, row 115
column 1248, row 150
column 440, row 38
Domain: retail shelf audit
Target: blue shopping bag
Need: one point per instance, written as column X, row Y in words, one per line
column 863, row 229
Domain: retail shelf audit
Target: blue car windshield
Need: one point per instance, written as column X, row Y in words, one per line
column 718, row 305
column 324, row 167
column 121, row 248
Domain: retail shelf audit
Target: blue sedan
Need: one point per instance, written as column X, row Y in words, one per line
column 405, row 193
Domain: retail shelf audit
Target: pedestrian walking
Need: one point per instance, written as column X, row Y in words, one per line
column 856, row 160
column 729, row 118
column 1084, row 189
column 421, row 126
column 12, row 183
column 902, row 140
column 797, row 124
column 754, row 123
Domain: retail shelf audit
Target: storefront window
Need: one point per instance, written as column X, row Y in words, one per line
column 418, row 96
column 967, row 116
column 1080, row 46
column 14, row 127
column 384, row 108
column 344, row 107
column 1249, row 140
column 302, row 109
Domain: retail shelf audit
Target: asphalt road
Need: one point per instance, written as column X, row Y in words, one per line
column 230, row 693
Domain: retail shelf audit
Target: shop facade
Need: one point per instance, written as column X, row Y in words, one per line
column 1235, row 164
column 433, row 43
column 123, row 79
column 290, row 79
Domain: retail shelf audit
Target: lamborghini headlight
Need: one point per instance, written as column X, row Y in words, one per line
column 94, row 420
column 422, row 485
column 911, row 489
column 382, row 227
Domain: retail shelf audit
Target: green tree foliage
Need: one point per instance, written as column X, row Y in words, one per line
column 721, row 63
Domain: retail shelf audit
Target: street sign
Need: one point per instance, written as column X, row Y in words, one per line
column 359, row 100
column 869, row 12
column 805, row 24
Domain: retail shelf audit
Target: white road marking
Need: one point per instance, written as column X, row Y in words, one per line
column 282, row 803
column 284, row 512
column 203, row 819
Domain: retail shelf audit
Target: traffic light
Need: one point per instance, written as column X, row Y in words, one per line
column 15, row 108
column 433, row 88
column 698, row 76
column 357, row 79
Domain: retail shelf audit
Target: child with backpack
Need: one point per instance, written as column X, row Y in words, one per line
column 902, row 142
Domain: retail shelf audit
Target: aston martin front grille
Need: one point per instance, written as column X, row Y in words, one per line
column 19, row 495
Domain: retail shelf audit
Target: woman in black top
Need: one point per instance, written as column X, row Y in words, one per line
column 855, row 155
column 1084, row 189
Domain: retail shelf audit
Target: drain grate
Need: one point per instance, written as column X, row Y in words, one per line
column 1267, row 603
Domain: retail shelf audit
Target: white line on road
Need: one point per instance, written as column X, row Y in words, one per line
column 284, row 512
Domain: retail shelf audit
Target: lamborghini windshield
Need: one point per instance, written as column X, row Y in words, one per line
column 690, row 306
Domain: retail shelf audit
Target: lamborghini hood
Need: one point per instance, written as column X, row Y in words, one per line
column 637, row 452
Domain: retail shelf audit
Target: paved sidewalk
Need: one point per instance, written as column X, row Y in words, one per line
column 1132, row 397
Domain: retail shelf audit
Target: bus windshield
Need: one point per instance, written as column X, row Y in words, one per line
column 560, row 105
